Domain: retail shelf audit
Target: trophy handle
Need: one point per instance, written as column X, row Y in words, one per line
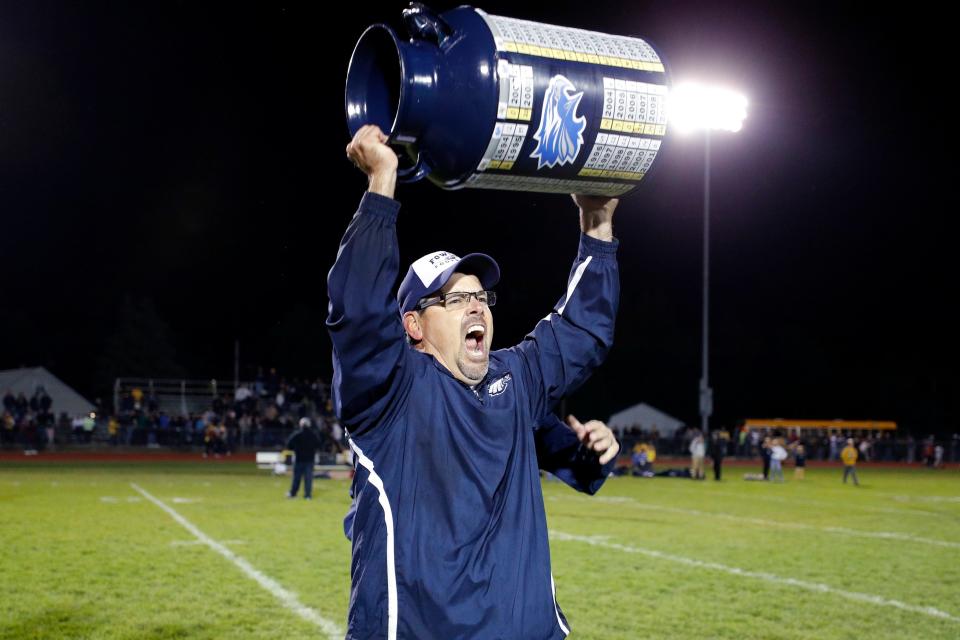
column 418, row 171
column 424, row 23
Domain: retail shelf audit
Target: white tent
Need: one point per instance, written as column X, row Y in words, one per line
column 646, row 417
column 65, row 399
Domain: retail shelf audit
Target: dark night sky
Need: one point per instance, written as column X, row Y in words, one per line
column 191, row 155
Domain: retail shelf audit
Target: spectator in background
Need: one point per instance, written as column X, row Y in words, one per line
column 849, row 457
column 89, row 424
column 718, row 449
column 28, row 434
column 765, row 456
column 777, row 455
column 113, row 430
column 223, row 439
column 8, row 432
column 642, row 459
column 938, row 456
column 928, row 451
column 231, row 427
column 48, row 421
column 21, row 406
column 46, row 402
column 800, row 458
column 698, row 451
column 137, row 396
column 241, row 394
column 211, row 436
column 9, row 402
column 304, row 443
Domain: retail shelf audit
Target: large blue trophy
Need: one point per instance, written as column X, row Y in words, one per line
column 496, row 103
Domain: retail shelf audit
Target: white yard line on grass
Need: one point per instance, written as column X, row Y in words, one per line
column 883, row 535
column 602, row 541
column 191, row 543
column 897, row 497
column 286, row 597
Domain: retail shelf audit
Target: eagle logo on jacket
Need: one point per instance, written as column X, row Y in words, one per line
column 560, row 135
column 498, row 386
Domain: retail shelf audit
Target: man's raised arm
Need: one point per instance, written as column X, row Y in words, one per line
column 363, row 321
column 572, row 341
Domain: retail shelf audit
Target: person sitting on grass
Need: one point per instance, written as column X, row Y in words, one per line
column 643, row 457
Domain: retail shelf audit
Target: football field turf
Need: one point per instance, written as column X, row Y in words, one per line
column 193, row 550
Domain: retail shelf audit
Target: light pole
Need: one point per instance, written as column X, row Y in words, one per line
column 706, row 393
column 695, row 107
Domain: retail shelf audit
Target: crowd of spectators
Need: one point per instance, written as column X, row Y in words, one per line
column 260, row 415
column 29, row 423
column 264, row 413
column 257, row 415
column 748, row 443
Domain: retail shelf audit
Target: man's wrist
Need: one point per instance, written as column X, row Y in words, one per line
column 597, row 224
column 602, row 231
column 383, row 183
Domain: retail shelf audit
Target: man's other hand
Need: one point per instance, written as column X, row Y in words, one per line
column 597, row 437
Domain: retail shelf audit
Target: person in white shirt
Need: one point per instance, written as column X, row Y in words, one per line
column 777, row 455
column 697, row 452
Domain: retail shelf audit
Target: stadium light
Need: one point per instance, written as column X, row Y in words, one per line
column 697, row 107
column 693, row 106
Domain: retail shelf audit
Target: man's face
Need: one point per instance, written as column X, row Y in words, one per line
column 459, row 339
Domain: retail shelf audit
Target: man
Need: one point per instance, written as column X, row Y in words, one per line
column 449, row 534
column 718, row 449
column 304, row 444
column 765, row 452
column 849, row 457
column 698, row 451
column 777, row 455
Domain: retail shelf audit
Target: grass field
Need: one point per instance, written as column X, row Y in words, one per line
column 184, row 550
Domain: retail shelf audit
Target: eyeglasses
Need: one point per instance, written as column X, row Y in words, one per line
column 459, row 300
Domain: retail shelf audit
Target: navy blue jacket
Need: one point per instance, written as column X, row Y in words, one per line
column 304, row 443
column 449, row 532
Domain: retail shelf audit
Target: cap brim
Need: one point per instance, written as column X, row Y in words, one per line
column 480, row 265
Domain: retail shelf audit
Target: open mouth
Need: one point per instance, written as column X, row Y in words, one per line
column 473, row 341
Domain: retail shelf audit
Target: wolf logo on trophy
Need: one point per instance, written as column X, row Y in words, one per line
column 560, row 135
